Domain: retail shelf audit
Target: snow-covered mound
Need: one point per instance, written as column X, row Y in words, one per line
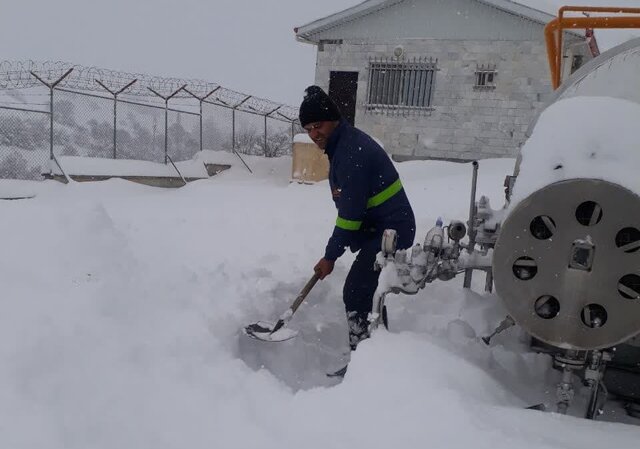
column 122, row 308
column 582, row 137
column 88, row 166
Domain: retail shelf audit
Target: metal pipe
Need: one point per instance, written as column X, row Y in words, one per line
column 179, row 111
column 565, row 391
column 553, row 31
column 233, row 131
column 289, row 119
column 55, row 83
column 593, row 376
column 166, row 122
column 115, row 126
column 243, row 102
column 219, row 102
column 166, row 131
column 612, row 9
column 245, row 164
column 233, row 125
column 201, row 122
column 55, row 159
column 200, row 100
column 468, row 273
column 146, row 105
column 176, row 168
column 24, row 110
column 166, row 119
column 86, row 94
column 488, row 283
column 115, row 110
column 51, row 123
column 265, row 127
column 200, row 125
column 560, row 52
column 115, row 116
column 223, row 104
column 51, row 87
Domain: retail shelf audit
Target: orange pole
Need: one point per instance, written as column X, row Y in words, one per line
column 559, row 46
column 600, row 22
column 613, row 9
column 554, row 30
column 550, row 37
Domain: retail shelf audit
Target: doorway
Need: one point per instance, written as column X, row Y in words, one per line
column 343, row 89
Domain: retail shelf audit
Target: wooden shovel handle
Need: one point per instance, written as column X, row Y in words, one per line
column 304, row 292
column 291, row 310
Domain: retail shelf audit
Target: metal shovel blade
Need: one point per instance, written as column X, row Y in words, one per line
column 263, row 331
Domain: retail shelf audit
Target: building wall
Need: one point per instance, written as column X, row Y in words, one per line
column 465, row 123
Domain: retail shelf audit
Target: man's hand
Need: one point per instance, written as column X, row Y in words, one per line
column 324, row 267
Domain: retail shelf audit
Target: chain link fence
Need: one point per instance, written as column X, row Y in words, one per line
column 24, row 143
column 56, row 109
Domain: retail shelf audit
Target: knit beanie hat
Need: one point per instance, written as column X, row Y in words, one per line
column 317, row 107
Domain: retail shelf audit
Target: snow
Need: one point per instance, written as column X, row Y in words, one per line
column 302, row 138
column 596, row 139
column 123, row 307
column 17, row 189
column 76, row 165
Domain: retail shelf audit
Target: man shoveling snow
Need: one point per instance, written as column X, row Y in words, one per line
column 369, row 196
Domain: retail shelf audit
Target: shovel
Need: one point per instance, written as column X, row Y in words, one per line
column 265, row 331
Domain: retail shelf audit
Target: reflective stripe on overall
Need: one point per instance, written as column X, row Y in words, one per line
column 376, row 200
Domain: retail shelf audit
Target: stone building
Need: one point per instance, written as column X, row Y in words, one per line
column 439, row 79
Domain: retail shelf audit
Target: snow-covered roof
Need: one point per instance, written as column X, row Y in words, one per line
column 362, row 9
column 306, row 32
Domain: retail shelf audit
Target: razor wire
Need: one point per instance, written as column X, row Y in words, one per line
column 156, row 119
column 20, row 75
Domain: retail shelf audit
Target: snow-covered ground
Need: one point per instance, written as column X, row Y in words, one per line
column 122, row 307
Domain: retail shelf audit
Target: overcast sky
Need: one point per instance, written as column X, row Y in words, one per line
column 246, row 45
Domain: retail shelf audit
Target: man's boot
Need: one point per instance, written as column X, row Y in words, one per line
column 358, row 328
column 358, row 331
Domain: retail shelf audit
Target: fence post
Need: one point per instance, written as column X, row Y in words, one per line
column 233, row 131
column 51, row 86
column 293, row 131
column 116, row 85
column 233, row 123
column 201, row 100
column 265, row 127
column 115, row 110
column 166, row 119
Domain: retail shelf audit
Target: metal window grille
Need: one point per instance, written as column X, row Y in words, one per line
column 405, row 85
column 486, row 77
